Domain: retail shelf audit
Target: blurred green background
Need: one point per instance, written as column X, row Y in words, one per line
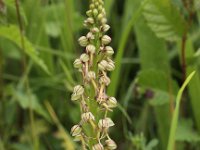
column 156, row 46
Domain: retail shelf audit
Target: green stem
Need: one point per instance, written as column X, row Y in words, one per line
column 1, row 75
column 31, row 114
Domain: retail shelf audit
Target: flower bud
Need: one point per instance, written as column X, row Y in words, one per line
column 102, row 48
column 84, row 57
column 102, row 65
column 90, row 35
column 90, row 20
column 105, row 28
column 100, row 17
column 88, row 116
column 109, row 50
column 78, row 91
column 100, row 8
column 95, row 30
column 98, row 146
column 89, row 13
column 112, row 102
column 110, row 66
column 104, row 80
column 111, row 145
column 76, row 130
column 110, row 60
column 75, row 97
column 77, row 138
column 96, row 4
column 103, row 20
column 77, row 63
column 105, row 123
column 106, row 39
column 91, row 48
column 91, row 75
column 92, row 6
column 103, row 11
column 86, row 25
column 101, row 2
column 83, row 41
column 95, row 12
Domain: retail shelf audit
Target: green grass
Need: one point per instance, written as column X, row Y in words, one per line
column 174, row 123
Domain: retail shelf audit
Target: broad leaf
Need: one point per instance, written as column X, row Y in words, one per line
column 164, row 19
column 152, row 144
column 12, row 33
column 158, row 83
column 30, row 101
column 153, row 55
column 186, row 133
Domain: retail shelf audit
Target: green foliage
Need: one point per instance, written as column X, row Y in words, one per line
column 13, row 34
column 157, row 81
column 139, row 142
column 147, row 36
column 153, row 55
column 29, row 101
column 61, row 133
column 186, row 133
column 164, row 19
column 175, row 117
column 118, row 59
column 11, row 12
column 194, row 86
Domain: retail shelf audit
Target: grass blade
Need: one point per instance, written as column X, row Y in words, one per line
column 67, row 141
column 118, row 59
column 174, row 122
column 194, row 86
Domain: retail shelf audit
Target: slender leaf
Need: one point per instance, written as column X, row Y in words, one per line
column 194, row 86
column 118, row 59
column 174, row 122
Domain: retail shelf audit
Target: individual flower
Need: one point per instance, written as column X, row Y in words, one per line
column 91, row 48
column 77, row 63
column 84, row 57
column 105, row 28
column 109, row 50
column 112, row 102
column 110, row 66
column 105, row 123
column 76, row 130
column 87, row 117
column 111, row 145
column 83, row 41
column 98, row 146
column 106, row 39
column 104, row 80
column 91, row 75
column 102, row 65
column 77, row 93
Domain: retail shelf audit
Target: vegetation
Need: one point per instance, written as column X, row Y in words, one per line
column 156, row 79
